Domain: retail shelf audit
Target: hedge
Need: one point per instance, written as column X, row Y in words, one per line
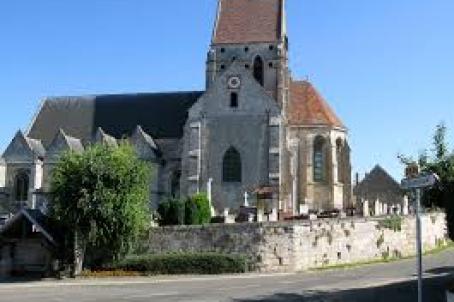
column 180, row 264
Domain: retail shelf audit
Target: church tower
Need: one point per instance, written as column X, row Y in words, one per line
column 253, row 34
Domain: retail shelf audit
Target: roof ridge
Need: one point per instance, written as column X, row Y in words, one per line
column 88, row 96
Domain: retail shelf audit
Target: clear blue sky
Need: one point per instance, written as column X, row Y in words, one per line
column 387, row 67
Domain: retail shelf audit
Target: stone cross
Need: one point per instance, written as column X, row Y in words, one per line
column 209, row 185
column 246, row 199
column 210, row 195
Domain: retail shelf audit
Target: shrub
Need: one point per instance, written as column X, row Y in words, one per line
column 393, row 223
column 193, row 211
column 198, row 210
column 184, row 263
column 171, row 212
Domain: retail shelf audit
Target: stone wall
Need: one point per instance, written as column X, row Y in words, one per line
column 297, row 246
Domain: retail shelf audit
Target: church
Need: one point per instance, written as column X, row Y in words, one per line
column 255, row 130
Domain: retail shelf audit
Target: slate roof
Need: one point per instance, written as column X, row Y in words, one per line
column 248, row 21
column 307, row 107
column 161, row 115
column 40, row 221
column 379, row 184
column 36, row 146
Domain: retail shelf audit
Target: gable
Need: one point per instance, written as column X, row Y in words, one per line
column 251, row 96
column 144, row 145
column 20, row 150
column 62, row 143
column 378, row 181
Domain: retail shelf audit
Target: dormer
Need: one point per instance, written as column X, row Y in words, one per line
column 24, row 150
column 144, row 145
column 104, row 139
column 62, row 143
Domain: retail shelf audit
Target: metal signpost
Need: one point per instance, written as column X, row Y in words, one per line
column 416, row 182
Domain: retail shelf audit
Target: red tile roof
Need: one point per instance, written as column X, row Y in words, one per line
column 307, row 107
column 248, row 21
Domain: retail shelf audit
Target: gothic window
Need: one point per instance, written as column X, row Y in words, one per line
column 21, row 185
column 231, row 166
column 319, row 163
column 258, row 70
column 234, row 100
column 340, row 162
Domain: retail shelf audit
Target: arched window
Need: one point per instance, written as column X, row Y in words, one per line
column 319, row 163
column 21, row 185
column 340, row 160
column 258, row 69
column 231, row 166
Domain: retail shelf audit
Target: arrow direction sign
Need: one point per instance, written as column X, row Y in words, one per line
column 419, row 182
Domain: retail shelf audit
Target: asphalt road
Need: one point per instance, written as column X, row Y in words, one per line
column 373, row 283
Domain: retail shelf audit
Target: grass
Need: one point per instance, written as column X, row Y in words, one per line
column 449, row 245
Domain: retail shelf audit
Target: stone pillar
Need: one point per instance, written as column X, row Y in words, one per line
column 366, row 211
column 385, row 209
column 260, row 215
column 378, row 208
column 273, row 216
column 2, row 173
column 304, row 209
column 294, row 171
column 36, row 182
column 405, row 206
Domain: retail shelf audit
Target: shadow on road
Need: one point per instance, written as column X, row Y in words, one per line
column 434, row 291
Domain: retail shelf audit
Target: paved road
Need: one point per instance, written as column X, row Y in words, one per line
column 375, row 283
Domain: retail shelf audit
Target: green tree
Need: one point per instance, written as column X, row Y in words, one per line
column 441, row 162
column 102, row 196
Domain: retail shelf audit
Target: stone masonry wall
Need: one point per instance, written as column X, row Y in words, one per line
column 298, row 246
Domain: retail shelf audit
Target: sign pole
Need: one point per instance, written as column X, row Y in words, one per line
column 415, row 180
column 418, row 242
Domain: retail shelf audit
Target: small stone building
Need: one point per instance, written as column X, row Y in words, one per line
column 378, row 185
column 254, row 126
column 28, row 245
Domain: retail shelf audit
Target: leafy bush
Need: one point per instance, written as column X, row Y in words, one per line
column 171, row 212
column 202, row 263
column 193, row 211
column 198, row 210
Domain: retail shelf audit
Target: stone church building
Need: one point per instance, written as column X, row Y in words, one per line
column 254, row 129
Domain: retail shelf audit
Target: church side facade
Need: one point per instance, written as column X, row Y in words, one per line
column 254, row 131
